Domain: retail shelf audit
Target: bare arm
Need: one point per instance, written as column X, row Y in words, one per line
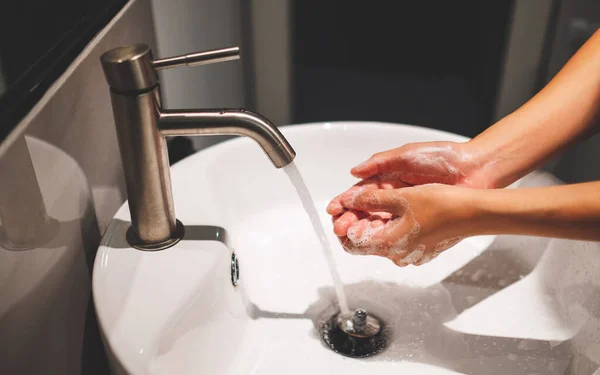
column 425, row 220
column 565, row 111
column 567, row 211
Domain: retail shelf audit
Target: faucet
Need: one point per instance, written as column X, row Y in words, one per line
column 142, row 125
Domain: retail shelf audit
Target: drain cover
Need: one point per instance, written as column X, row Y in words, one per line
column 356, row 334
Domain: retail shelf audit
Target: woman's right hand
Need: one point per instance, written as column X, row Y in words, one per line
column 421, row 163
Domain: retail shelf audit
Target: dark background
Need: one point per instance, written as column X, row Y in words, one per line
column 431, row 63
column 38, row 41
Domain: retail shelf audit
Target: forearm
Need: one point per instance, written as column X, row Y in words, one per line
column 566, row 211
column 565, row 111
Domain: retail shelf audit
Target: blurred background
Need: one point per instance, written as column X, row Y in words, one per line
column 453, row 66
column 457, row 66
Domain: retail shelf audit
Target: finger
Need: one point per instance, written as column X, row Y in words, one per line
column 348, row 246
column 418, row 168
column 363, row 235
column 399, row 262
column 372, row 167
column 344, row 221
column 426, row 258
column 385, row 216
column 365, row 169
column 351, row 193
column 414, row 256
column 414, row 167
column 335, row 208
column 378, row 200
column 357, row 231
column 375, row 223
column 371, row 184
column 335, row 218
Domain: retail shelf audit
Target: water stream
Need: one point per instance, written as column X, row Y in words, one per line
column 311, row 211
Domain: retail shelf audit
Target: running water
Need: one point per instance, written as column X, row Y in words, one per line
column 311, row 211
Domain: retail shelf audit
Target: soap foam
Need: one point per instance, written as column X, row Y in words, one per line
column 365, row 238
column 440, row 162
column 446, row 244
column 415, row 255
column 402, row 245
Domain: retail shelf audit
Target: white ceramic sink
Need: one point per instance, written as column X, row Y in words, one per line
column 490, row 305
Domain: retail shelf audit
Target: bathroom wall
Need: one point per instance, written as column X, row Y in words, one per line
column 184, row 26
column 271, row 42
column 61, row 182
column 524, row 58
column 277, row 83
column 577, row 20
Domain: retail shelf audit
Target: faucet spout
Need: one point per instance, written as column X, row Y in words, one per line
column 229, row 122
column 142, row 125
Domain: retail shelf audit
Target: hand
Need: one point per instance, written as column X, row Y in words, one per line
column 412, row 164
column 416, row 225
column 447, row 163
column 343, row 218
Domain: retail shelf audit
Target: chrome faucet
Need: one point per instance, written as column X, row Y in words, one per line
column 142, row 125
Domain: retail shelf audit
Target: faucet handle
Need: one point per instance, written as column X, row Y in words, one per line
column 131, row 68
column 198, row 58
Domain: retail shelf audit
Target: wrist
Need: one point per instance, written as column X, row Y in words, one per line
column 495, row 153
column 468, row 212
column 483, row 210
column 567, row 211
column 485, row 169
column 500, row 211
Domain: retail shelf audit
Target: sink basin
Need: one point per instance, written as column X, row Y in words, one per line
column 490, row 305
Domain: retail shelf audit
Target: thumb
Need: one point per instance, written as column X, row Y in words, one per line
column 385, row 162
column 390, row 201
column 369, row 168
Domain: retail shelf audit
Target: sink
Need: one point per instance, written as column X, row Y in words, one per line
column 490, row 305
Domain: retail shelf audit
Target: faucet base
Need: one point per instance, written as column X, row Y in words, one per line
column 136, row 243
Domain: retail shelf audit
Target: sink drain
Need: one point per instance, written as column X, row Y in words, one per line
column 355, row 334
column 235, row 270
